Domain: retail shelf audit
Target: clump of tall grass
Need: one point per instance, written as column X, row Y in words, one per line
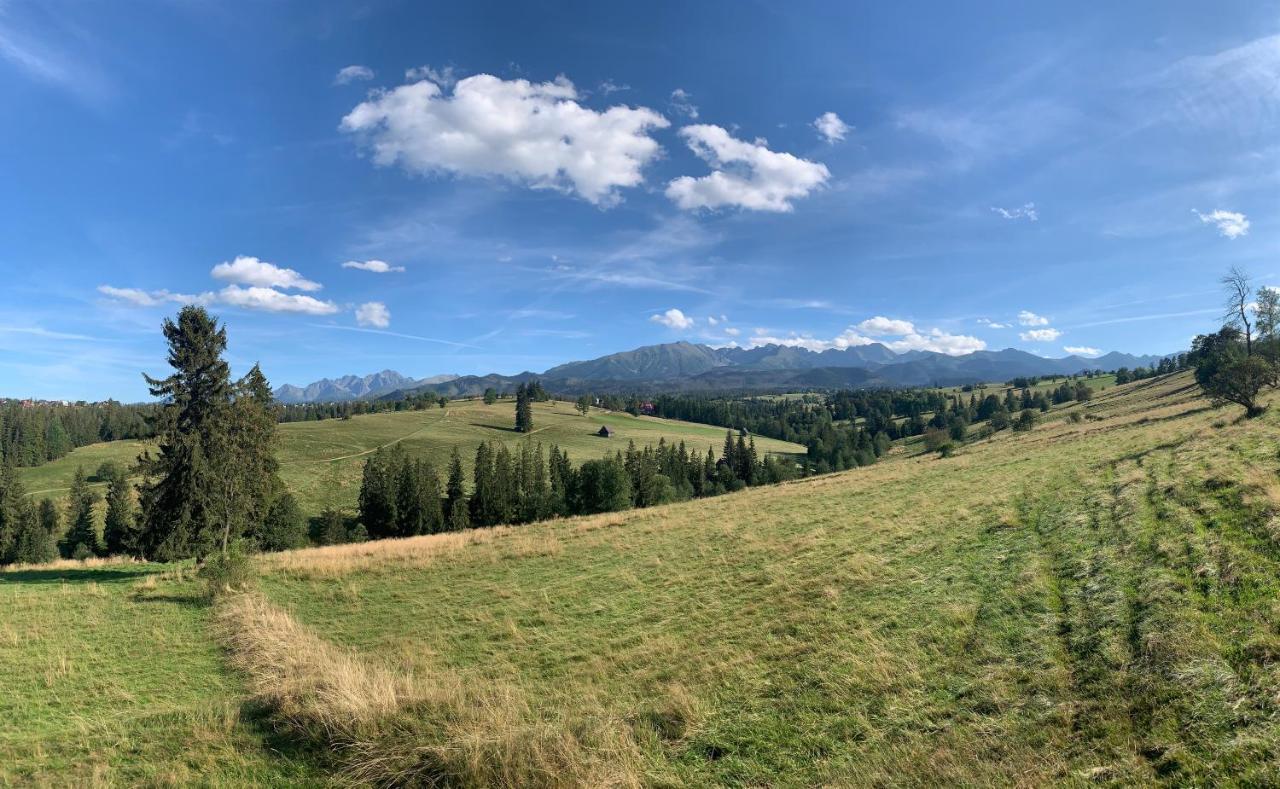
column 389, row 729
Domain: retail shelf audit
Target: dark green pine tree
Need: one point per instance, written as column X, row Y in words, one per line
column 727, row 455
column 120, row 530
column 506, row 487
column 524, row 408
column 176, row 497
column 482, row 492
column 12, row 497
column 81, row 539
column 456, row 511
column 378, row 499
column 34, row 545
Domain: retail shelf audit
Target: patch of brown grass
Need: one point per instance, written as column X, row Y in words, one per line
column 73, row 564
column 389, row 729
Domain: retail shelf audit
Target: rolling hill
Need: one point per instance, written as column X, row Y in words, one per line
column 321, row 461
column 1089, row 602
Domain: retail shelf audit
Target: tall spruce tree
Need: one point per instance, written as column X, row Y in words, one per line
column 524, row 408
column 81, row 539
column 456, row 511
column 33, row 543
column 120, row 530
column 378, row 494
column 177, row 495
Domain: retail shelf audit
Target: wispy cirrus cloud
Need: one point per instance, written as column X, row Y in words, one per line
column 355, row 73
column 375, row 266
column 1026, row 211
column 1230, row 224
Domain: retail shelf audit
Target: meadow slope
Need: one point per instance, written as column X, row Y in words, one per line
column 1093, row 601
column 1090, row 602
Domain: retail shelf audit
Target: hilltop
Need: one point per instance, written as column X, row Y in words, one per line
column 1091, row 601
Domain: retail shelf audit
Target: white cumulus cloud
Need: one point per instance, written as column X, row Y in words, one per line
column 1081, row 350
column 1029, row 318
column 673, row 319
column 745, row 174
column 907, row 338
column 272, row 300
column 831, row 128
column 1027, row 212
column 376, row 266
column 1040, row 335
column 880, row 325
column 1231, row 224
column 373, row 313
column 351, row 74
column 246, row 270
column 990, row 324
column 531, row 133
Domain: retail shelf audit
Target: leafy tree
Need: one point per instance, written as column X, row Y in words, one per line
column 331, row 528
column 583, row 404
column 1227, row 373
column 490, row 396
column 81, row 538
column 1267, row 310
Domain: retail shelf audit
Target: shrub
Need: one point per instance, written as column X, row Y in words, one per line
column 230, row 572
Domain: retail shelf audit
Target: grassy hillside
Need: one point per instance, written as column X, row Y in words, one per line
column 321, row 461
column 1087, row 602
column 108, row 676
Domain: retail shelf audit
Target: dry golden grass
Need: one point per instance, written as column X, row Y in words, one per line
column 73, row 564
column 390, row 729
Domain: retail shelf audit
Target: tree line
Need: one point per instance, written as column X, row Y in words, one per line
column 35, row 433
column 402, row 496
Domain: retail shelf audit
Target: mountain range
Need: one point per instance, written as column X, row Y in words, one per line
column 354, row 387
column 684, row 366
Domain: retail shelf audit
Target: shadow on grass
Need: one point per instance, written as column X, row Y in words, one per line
column 74, row 575
column 182, row 600
column 278, row 740
column 494, row 427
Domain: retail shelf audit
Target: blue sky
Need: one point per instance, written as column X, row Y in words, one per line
column 544, row 182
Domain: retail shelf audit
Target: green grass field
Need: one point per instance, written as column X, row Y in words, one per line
column 1089, row 602
column 321, row 461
